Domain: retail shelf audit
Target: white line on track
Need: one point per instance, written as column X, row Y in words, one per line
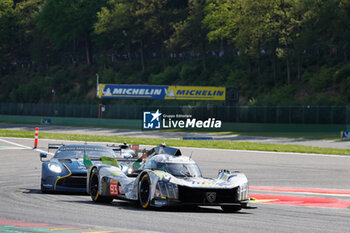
column 212, row 149
column 269, row 152
column 11, row 148
column 23, row 146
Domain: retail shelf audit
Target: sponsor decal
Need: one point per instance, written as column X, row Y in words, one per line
column 211, row 196
column 195, row 93
column 131, row 91
column 113, row 188
column 157, row 120
column 121, row 190
column 161, row 92
column 345, row 135
column 160, row 203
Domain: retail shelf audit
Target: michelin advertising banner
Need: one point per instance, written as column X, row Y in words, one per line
column 161, row 92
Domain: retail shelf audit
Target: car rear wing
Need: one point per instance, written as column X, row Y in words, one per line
column 134, row 147
column 54, row 146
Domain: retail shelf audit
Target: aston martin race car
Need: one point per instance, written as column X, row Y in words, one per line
column 65, row 171
column 165, row 177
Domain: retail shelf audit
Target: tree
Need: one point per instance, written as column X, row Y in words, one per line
column 32, row 43
column 8, row 21
column 119, row 20
column 158, row 17
column 192, row 31
column 65, row 21
column 252, row 24
column 139, row 22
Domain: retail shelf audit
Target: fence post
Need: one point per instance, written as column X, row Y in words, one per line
column 255, row 118
column 303, row 114
column 290, row 114
column 332, row 109
column 346, row 116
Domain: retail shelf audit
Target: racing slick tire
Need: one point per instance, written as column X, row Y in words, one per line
column 94, row 189
column 231, row 208
column 144, row 191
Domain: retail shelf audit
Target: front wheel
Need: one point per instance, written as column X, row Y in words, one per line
column 42, row 189
column 144, row 191
column 94, row 189
column 231, row 208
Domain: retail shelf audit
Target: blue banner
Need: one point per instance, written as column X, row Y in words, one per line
column 161, row 92
column 132, row 91
column 345, row 135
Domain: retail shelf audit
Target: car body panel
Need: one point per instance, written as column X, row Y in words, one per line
column 66, row 171
column 167, row 189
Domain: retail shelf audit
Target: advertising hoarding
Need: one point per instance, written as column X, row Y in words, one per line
column 161, row 92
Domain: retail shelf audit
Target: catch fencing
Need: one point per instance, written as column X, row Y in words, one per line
column 241, row 114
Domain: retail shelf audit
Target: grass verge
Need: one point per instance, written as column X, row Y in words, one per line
column 180, row 143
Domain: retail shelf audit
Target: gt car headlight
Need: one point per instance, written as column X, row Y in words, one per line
column 244, row 187
column 243, row 192
column 55, row 168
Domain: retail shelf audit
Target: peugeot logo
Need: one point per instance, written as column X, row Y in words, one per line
column 211, row 196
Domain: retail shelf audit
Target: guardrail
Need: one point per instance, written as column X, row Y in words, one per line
column 235, row 114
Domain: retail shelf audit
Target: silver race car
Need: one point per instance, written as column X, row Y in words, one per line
column 165, row 177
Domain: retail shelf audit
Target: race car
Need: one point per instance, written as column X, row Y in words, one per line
column 165, row 177
column 66, row 172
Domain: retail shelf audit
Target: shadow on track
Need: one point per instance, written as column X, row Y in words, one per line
column 38, row 191
column 134, row 206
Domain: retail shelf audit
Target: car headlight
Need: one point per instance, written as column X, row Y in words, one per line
column 55, row 167
column 243, row 192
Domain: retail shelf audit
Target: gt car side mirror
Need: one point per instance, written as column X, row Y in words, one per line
column 43, row 155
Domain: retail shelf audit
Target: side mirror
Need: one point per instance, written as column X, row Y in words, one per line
column 43, row 155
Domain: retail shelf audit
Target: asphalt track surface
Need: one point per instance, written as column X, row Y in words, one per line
column 278, row 180
column 177, row 135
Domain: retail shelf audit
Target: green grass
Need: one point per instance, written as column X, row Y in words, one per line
column 297, row 135
column 180, row 143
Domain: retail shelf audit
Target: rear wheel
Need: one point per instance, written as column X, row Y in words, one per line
column 144, row 191
column 231, row 208
column 94, row 189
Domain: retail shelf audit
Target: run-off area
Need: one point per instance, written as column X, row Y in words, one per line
column 310, row 190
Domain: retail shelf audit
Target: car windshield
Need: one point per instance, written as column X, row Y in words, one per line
column 125, row 153
column 76, row 153
column 180, row 169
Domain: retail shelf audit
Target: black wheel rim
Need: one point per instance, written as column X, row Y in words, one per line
column 94, row 186
column 144, row 191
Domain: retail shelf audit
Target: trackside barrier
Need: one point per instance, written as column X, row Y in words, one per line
column 36, row 137
column 345, row 135
column 196, row 138
column 229, row 114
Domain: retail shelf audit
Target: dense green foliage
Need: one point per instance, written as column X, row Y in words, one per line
column 281, row 52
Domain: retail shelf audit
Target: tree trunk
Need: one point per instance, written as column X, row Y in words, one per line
column 129, row 50
column 142, row 56
column 274, row 59
column 88, row 49
column 299, row 65
column 163, row 52
column 288, row 66
column 259, row 65
column 204, row 55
